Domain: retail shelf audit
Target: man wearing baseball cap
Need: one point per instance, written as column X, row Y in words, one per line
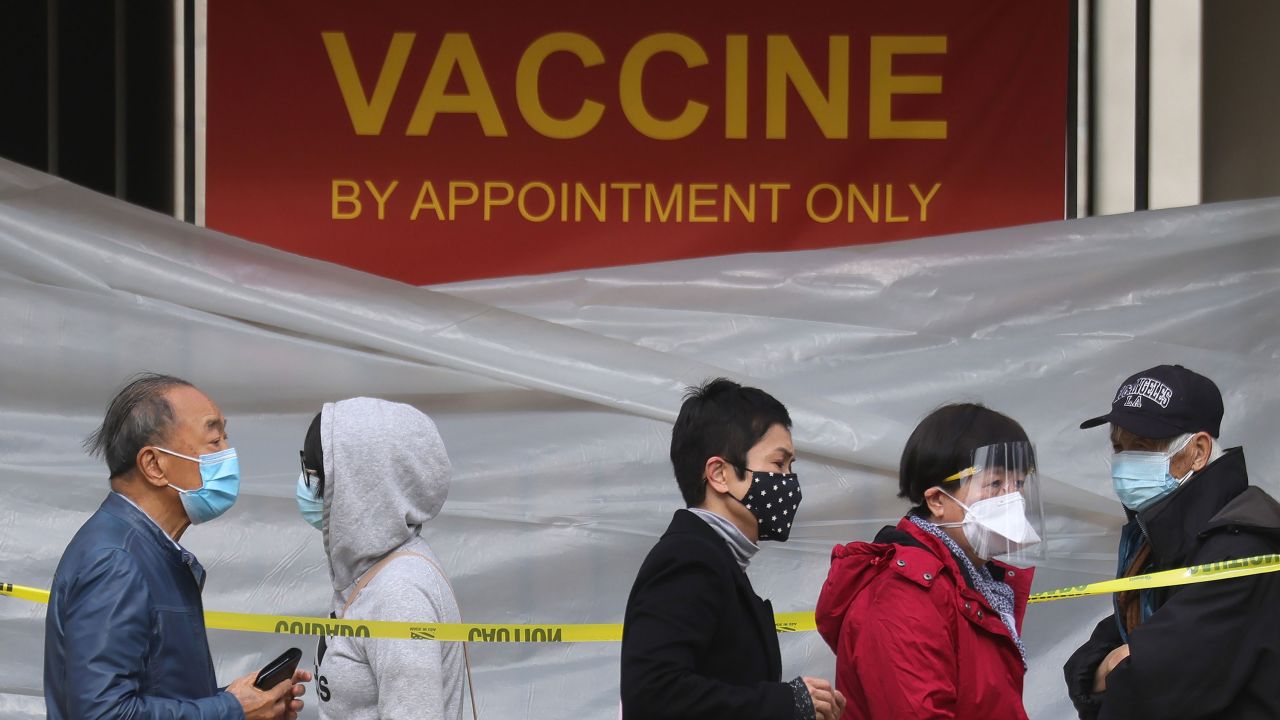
column 1210, row 650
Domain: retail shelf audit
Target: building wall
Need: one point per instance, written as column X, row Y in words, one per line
column 1241, row 138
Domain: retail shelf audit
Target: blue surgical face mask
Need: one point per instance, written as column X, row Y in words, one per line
column 311, row 507
column 219, row 485
column 1142, row 478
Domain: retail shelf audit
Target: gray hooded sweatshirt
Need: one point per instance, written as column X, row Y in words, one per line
column 386, row 474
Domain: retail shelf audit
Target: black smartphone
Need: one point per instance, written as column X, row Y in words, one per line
column 278, row 670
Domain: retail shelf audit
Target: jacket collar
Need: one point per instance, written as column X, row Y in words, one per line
column 1252, row 510
column 1017, row 578
column 972, row 604
column 119, row 506
column 761, row 610
column 1174, row 524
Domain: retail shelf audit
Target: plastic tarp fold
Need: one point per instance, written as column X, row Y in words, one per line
column 555, row 395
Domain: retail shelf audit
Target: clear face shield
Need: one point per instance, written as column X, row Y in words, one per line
column 999, row 491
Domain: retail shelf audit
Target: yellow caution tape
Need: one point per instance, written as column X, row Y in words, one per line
column 452, row 632
column 1224, row 570
column 612, row 632
column 25, row 593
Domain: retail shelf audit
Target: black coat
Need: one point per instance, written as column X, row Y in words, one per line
column 1210, row 650
column 697, row 643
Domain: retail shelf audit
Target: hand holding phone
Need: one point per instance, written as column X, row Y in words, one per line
column 278, row 670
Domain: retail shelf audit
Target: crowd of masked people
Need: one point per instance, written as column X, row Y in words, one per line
column 925, row 619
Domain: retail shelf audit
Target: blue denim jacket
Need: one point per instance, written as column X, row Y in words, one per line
column 124, row 634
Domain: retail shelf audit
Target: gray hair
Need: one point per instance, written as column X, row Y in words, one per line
column 1215, row 451
column 136, row 417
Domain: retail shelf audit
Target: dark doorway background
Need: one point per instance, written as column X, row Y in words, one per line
column 89, row 90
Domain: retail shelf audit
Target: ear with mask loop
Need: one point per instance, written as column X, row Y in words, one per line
column 738, row 471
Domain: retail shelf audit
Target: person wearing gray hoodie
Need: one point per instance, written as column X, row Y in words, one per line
column 373, row 473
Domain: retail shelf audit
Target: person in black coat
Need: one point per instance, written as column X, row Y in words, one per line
column 1210, row 650
column 697, row 642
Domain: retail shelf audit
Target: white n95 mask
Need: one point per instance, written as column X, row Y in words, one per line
column 997, row 525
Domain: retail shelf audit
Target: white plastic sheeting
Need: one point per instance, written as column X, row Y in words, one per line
column 555, row 395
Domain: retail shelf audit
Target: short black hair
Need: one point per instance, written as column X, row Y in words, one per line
column 139, row 415
column 313, row 451
column 719, row 418
column 943, row 444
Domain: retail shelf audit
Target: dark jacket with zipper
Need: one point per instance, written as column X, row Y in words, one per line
column 1210, row 650
column 697, row 642
column 124, row 633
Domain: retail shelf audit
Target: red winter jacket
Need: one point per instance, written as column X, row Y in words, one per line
column 912, row 639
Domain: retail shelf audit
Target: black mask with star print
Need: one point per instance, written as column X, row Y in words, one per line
column 773, row 499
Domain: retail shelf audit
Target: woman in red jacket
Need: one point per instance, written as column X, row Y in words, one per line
column 924, row 623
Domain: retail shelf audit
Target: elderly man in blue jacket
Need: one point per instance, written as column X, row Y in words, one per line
column 125, row 634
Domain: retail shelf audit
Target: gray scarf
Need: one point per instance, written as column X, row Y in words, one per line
column 741, row 547
column 997, row 594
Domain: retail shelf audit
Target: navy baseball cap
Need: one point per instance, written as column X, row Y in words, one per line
column 1163, row 402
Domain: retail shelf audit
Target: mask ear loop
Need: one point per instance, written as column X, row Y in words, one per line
column 1180, row 448
column 738, row 470
column 966, row 512
column 1186, row 441
column 963, row 474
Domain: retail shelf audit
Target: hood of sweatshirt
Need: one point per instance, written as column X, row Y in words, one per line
column 386, row 474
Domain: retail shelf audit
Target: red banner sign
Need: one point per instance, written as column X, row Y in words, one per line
column 432, row 142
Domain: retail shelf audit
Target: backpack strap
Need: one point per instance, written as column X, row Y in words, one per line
column 372, row 572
